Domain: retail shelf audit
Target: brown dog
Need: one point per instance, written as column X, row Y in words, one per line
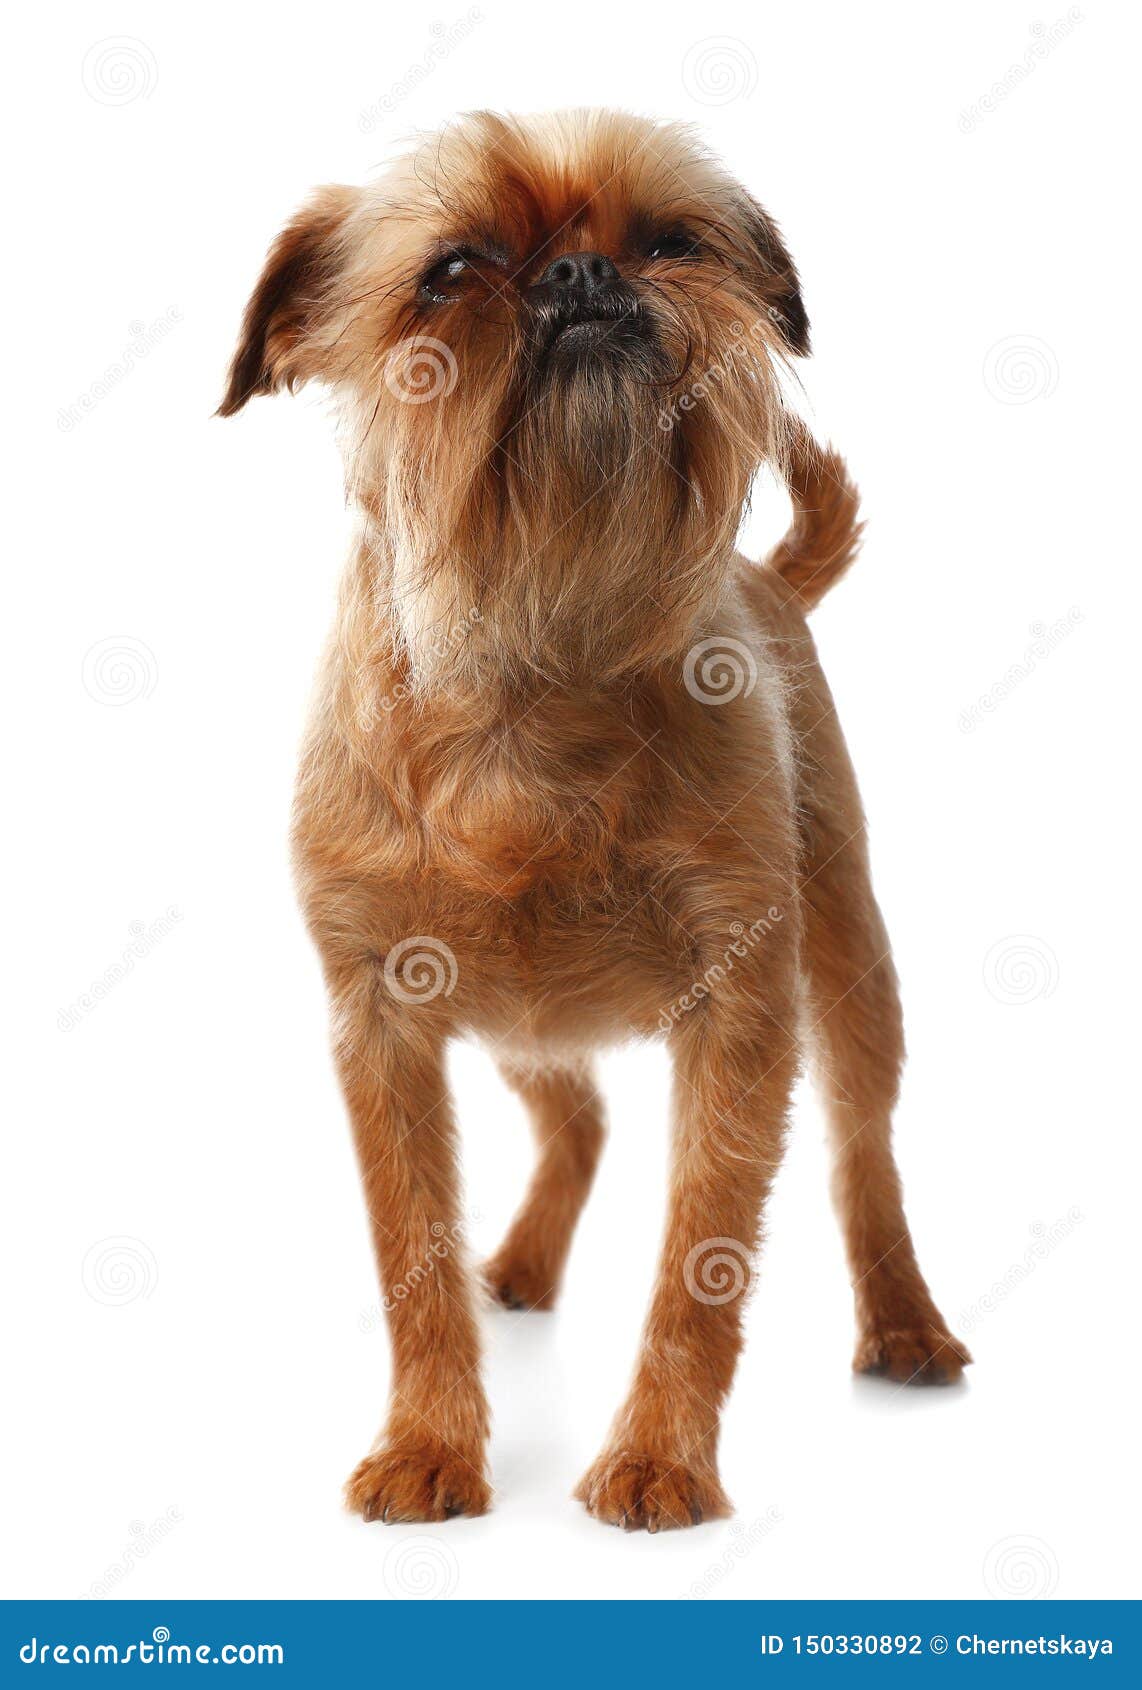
column 575, row 773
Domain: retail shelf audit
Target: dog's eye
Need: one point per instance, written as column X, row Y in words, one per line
column 439, row 281
column 674, row 243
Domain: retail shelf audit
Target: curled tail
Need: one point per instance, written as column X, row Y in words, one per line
column 825, row 535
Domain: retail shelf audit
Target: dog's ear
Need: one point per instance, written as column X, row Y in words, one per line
column 276, row 346
column 776, row 277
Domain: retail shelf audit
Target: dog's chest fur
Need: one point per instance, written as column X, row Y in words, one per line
column 579, row 855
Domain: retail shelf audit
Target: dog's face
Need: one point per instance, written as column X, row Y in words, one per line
column 541, row 332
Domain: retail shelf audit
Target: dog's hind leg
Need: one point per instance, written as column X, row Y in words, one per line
column 567, row 1120
column 858, row 1044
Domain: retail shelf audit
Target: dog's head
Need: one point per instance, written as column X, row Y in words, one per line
column 543, row 333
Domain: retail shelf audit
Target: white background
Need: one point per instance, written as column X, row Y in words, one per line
column 190, row 1399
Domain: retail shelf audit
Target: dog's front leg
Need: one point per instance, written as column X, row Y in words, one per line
column 428, row 1462
column 659, row 1467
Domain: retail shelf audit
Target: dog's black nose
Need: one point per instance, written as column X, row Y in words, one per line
column 586, row 272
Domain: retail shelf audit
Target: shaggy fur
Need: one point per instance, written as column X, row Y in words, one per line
column 574, row 773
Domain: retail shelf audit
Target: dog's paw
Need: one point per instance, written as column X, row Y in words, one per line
column 421, row 1483
column 922, row 1355
column 519, row 1283
column 651, row 1492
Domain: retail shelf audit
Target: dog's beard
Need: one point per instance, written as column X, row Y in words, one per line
column 585, row 432
column 558, row 521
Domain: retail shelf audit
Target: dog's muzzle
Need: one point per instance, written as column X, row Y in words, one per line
column 581, row 305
